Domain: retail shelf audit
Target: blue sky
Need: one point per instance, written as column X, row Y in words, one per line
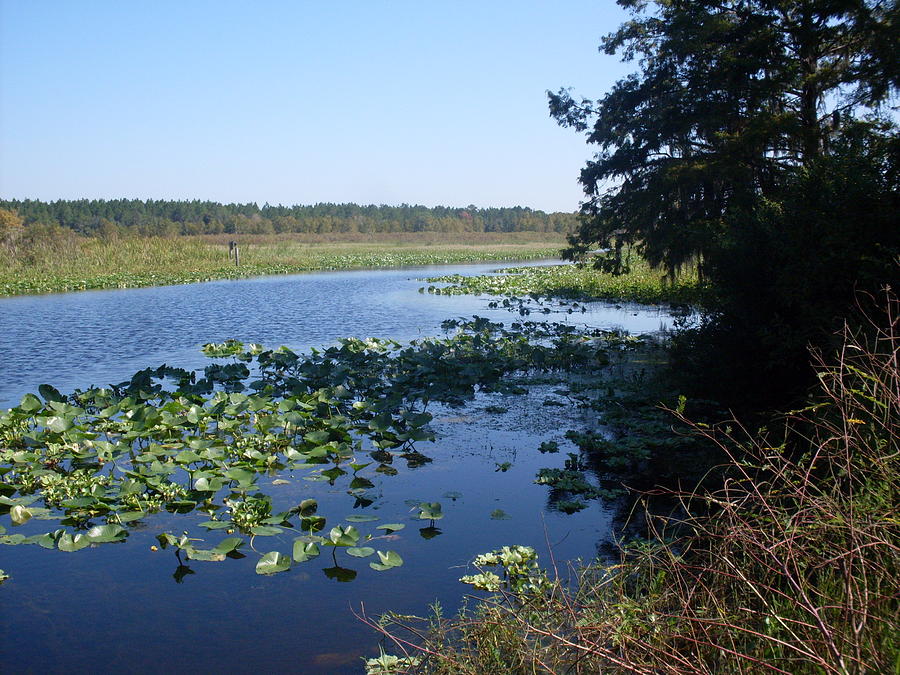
column 427, row 102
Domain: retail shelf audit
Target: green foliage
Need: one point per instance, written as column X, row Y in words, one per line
column 729, row 96
column 522, row 576
column 121, row 217
column 748, row 146
column 792, row 267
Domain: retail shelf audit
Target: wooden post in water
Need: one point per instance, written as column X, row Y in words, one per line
column 234, row 251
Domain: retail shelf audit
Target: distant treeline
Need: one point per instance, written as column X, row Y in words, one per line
column 99, row 217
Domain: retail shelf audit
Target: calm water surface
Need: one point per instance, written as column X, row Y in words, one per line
column 120, row 608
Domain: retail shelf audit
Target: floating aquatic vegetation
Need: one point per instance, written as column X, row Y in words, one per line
column 215, row 441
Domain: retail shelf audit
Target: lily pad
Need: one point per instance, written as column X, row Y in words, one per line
column 229, row 544
column 265, row 530
column 304, row 550
column 343, row 536
column 102, row 534
column 216, row 524
column 272, row 563
column 388, row 560
column 430, row 511
column 361, row 551
column 69, row 543
column 205, row 555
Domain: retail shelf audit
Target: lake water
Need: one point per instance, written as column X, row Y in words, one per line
column 120, row 607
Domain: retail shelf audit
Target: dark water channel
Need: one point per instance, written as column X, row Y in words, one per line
column 119, row 607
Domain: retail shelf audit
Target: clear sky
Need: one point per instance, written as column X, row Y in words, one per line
column 434, row 102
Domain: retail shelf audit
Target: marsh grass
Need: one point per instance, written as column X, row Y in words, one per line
column 788, row 565
column 582, row 283
column 58, row 260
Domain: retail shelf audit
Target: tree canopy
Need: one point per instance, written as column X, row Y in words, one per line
column 157, row 217
column 754, row 142
column 731, row 99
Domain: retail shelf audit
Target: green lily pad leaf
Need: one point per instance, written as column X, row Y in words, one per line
column 317, row 437
column 69, row 543
column 265, row 530
column 30, row 403
column 390, row 527
column 206, row 484
column 308, row 507
column 19, row 514
column 242, row 476
column 2, row 530
column 388, row 560
column 360, row 551
column 430, row 511
column 359, row 518
column 304, row 550
column 13, row 539
column 46, row 540
column 341, row 536
column 316, row 453
column 281, row 481
column 500, row 514
column 381, row 422
column 101, row 534
column 51, row 393
column 59, row 424
column 78, row 503
column 356, row 467
column 312, row 523
column 187, row 457
column 216, row 524
column 272, row 563
column 204, row 555
column 228, row 545
column 128, row 516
